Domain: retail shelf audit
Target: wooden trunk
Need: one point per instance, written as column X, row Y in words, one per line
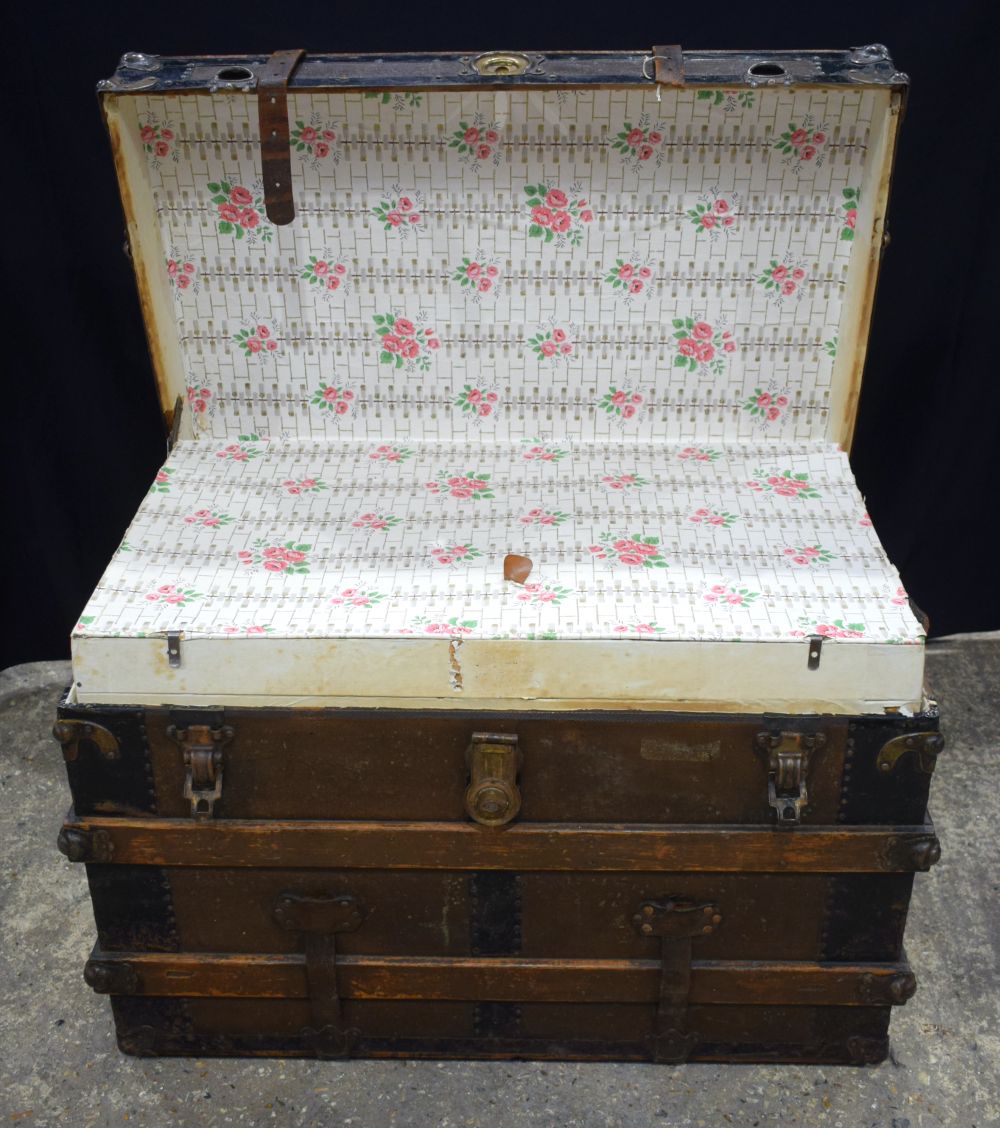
column 503, row 664
column 643, row 905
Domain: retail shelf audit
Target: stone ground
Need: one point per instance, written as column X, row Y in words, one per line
column 59, row 1064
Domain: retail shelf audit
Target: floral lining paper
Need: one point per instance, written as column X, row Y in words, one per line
column 583, row 325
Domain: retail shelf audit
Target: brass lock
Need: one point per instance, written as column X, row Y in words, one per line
column 493, row 797
column 501, row 63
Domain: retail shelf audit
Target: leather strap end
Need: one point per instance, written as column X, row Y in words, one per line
column 275, row 135
column 668, row 65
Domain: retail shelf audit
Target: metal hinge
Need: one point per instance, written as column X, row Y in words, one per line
column 202, row 748
column 787, row 757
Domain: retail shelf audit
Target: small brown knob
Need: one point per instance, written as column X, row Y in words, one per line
column 493, row 797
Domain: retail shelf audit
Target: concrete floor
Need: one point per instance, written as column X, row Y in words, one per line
column 59, row 1064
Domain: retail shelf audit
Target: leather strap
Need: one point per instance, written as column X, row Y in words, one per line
column 668, row 65
column 275, row 142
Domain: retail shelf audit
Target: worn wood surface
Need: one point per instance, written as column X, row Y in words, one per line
column 522, row 847
column 504, row 979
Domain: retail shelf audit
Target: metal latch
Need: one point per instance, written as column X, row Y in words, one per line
column 787, row 757
column 202, row 748
column 493, row 797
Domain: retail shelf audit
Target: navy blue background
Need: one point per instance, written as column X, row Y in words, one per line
column 82, row 435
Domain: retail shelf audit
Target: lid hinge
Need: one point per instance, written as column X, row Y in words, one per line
column 275, row 135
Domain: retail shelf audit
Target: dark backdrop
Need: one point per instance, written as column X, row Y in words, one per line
column 82, row 435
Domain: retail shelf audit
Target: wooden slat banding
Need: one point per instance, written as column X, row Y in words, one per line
column 512, row 979
column 523, row 847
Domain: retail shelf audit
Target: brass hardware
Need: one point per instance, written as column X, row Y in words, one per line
column 676, row 923
column 111, row 977
column 493, row 797
column 894, row 990
column 501, row 63
column 80, row 845
column 925, row 747
column 787, row 762
column 202, row 748
column 69, row 733
column 918, row 853
column 319, row 919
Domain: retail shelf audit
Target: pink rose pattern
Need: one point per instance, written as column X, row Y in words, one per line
column 641, row 629
column 699, row 454
column 803, row 145
column 852, row 198
column 701, row 346
column 783, row 280
column 199, row 399
column 208, row 518
column 161, row 483
column 356, row 597
column 636, row 551
column 716, row 518
column 158, row 141
column 783, row 483
column 455, row 554
column 551, row 517
column 552, row 344
column 473, row 486
column 836, row 629
column 238, row 452
column 258, row 339
column 630, row 278
column 388, row 453
column 240, row 212
column 477, row 141
column 295, row 486
column 640, row 143
column 337, row 401
column 290, row 558
column 765, row 406
column 480, row 276
column 170, row 593
column 326, row 273
column 182, row 276
column 478, row 402
column 731, row 596
column 315, row 142
column 714, row 215
column 624, row 403
column 251, row 632
column 556, row 215
column 404, row 343
column 454, row 627
column 808, row 554
column 400, row 212
column 543, row 593
column 547, row 453
column 621, row 483
column 376, row 522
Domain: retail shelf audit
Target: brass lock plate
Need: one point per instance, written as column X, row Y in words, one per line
column 502, row 64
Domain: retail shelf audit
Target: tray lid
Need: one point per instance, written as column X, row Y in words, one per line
column 622, row 245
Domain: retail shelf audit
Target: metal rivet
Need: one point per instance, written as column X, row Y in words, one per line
column 708, row 910
column 647, row 928
column 707, row 928
column 647, row 910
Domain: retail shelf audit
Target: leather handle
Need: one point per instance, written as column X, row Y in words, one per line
column 275, row 138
